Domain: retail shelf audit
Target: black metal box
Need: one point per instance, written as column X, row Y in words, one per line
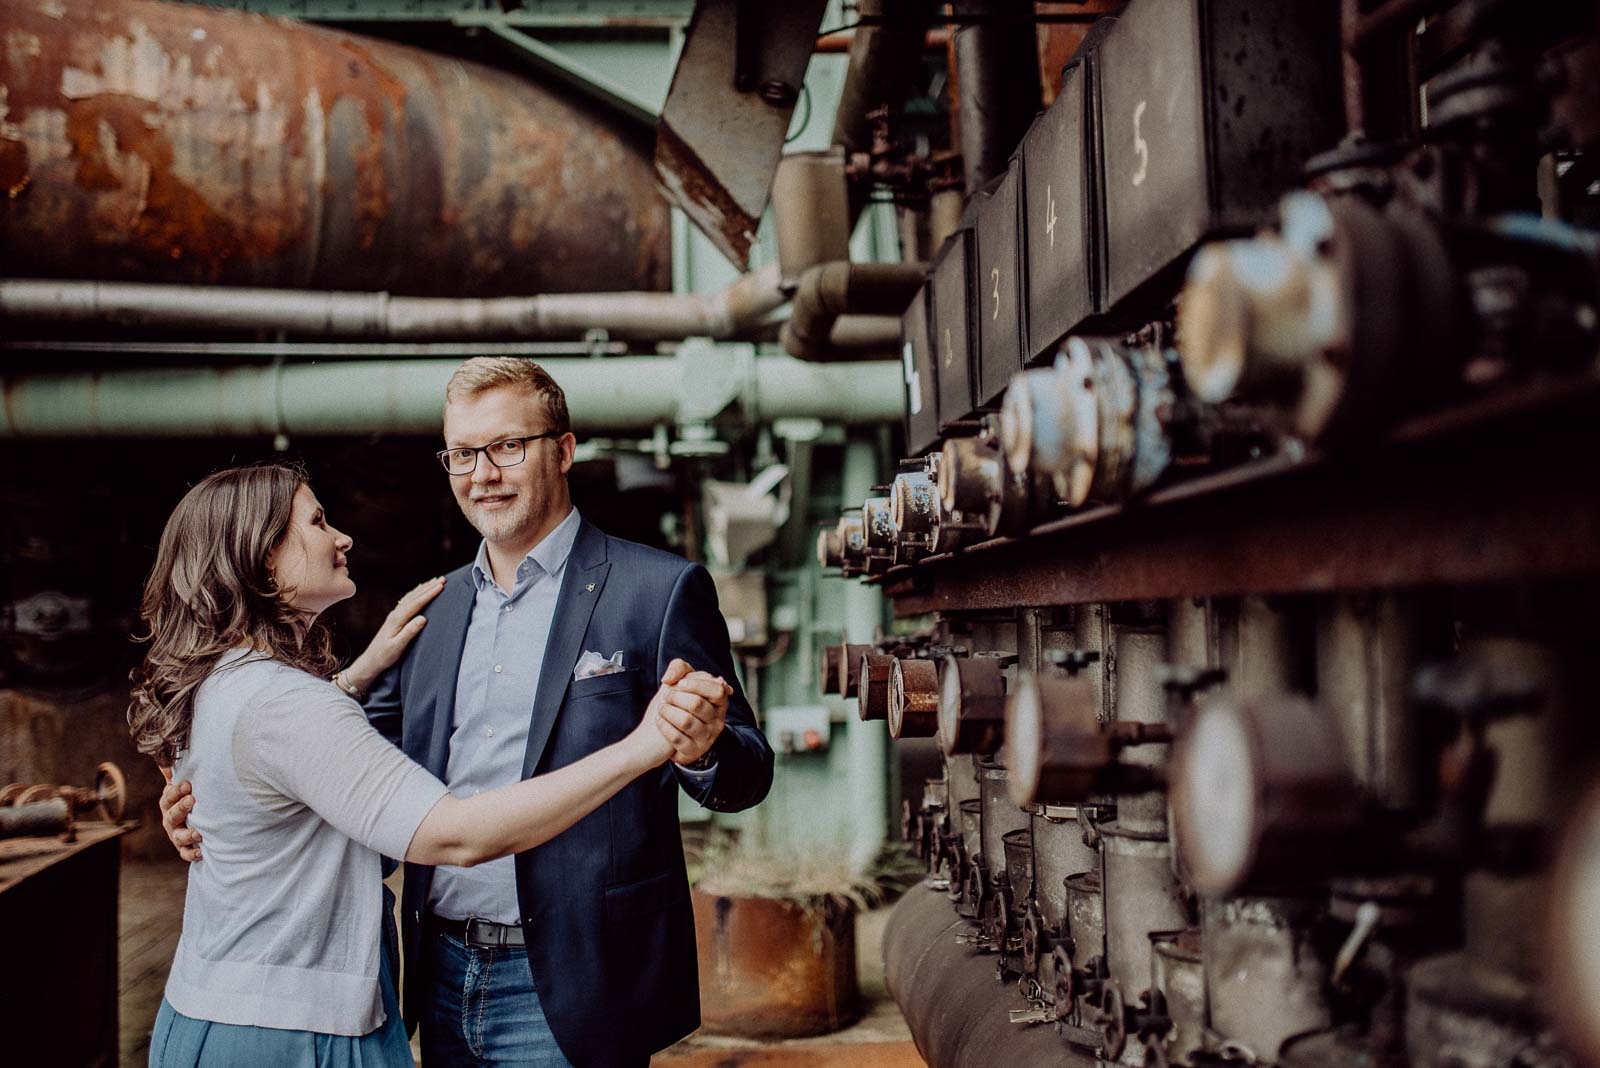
column 922, row 377
column 1208, row 110
column 952, row 326
column 1058, row 220
column 1000, row 286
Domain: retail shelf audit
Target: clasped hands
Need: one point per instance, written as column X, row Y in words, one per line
column 689, row 710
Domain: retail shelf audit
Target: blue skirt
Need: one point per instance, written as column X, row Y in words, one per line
column 179, row 1042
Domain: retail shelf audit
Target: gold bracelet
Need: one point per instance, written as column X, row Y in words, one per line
column 341, row 681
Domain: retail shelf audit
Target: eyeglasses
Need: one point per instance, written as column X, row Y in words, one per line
column 507, row 452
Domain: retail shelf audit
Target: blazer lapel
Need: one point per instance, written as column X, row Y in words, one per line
column 448, row 617
column 581, row 585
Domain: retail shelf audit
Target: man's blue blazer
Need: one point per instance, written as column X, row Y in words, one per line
column 605, row 905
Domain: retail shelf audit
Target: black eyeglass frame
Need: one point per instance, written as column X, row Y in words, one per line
column 483, row 451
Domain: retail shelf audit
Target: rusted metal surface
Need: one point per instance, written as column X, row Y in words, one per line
column 913, row 698
column 722, row 127
column 872, row 691
column 972, row 705
column 773, row 967
column 1416, row 518
column 828, row 659
column 175, row 142
column 849, row 676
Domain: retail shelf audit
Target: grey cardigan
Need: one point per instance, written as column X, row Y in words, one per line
column 296, row 795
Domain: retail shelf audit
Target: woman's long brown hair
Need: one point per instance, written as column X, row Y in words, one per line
column 211, row 590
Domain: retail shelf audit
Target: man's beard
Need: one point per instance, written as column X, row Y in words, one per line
column 505, row 523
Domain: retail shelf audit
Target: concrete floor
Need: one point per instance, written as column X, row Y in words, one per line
column 152, row 914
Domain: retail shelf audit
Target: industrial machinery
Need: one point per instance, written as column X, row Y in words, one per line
column 1246, row 549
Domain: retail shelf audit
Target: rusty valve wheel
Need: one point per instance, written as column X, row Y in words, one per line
column 1113, row 1020
column 32, row 795
column 998, row 922
column 9, row 794
column 1065, row 992
column 974, row 899
column 110, row 792
column 1035, row 942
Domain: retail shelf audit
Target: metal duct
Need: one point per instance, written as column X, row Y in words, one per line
column 830, row 291
column 885, row 52
column 176, row 142
column 997, row 81
column 308, row 313
column 407, row 396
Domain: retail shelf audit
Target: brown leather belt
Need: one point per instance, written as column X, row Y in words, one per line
column 485, row 934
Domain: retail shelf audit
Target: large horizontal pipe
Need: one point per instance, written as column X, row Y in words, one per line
column 727, row 313
column 407, row 396
column 957, row 1010
column 831, row 290
column 176, row 142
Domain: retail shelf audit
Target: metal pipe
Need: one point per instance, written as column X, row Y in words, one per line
column 997, row 62
column 884, row 55
column 406, row 397
column 635, row 316
column 958, row 1015
column 831, row 290
column 176, row 142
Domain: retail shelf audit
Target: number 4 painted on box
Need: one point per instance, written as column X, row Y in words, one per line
column 1050, row 214
column 1140, row 146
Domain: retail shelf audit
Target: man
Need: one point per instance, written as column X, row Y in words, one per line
column 545, row 648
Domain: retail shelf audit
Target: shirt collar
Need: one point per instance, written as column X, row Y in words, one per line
column 550, row 554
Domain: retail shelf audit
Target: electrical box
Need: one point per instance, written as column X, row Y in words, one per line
column 952, row 326
column 1000, row 287
column 921, row 375
column 797, row 728
column 1058, row 229
column 1208, row 111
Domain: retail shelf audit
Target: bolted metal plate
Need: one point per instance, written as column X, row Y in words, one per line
column 952, row 326
column 1056, row 218
column 718, row 143
column 921, row 375
column 1000, row 286
column 1208, row 109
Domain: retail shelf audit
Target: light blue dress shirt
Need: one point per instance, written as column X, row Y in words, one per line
column 500, row 667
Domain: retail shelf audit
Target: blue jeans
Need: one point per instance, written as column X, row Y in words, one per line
column 483, row 1009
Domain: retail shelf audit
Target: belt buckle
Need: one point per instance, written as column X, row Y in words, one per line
column 474, row 937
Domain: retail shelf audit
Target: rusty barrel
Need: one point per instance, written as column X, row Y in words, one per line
column 775, row 967
column 913, row 699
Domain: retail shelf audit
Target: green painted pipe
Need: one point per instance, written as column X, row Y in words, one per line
column 407, row 396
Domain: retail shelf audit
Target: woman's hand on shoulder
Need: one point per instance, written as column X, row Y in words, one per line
column 400, row 626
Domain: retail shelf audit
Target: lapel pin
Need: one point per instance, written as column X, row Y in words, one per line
column 590, row 587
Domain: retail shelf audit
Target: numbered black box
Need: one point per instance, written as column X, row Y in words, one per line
column 951, row 326
column 1208, row 109
column 922, row 377
column 997, row 304
column 1058, row 219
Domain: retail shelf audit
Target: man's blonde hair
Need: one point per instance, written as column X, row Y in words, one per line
column 481, row 373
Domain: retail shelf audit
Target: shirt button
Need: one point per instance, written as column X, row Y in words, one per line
column 497, row 669
column 490, row 732
column 507, row 608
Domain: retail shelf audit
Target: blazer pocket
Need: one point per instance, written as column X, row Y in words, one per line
column 599, row 684
column 644, row 896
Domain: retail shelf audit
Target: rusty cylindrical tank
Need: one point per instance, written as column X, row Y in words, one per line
column 774, row 967
column 167, row 142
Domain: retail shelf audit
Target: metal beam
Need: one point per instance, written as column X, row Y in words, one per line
column 1504, row 491
column 571, row 72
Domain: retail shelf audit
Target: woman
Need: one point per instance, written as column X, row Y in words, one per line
column 279, row 959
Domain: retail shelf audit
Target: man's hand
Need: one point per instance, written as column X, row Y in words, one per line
column 177, row 801
column 694, row 712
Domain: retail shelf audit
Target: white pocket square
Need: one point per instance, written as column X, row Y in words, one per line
column 592, row 664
